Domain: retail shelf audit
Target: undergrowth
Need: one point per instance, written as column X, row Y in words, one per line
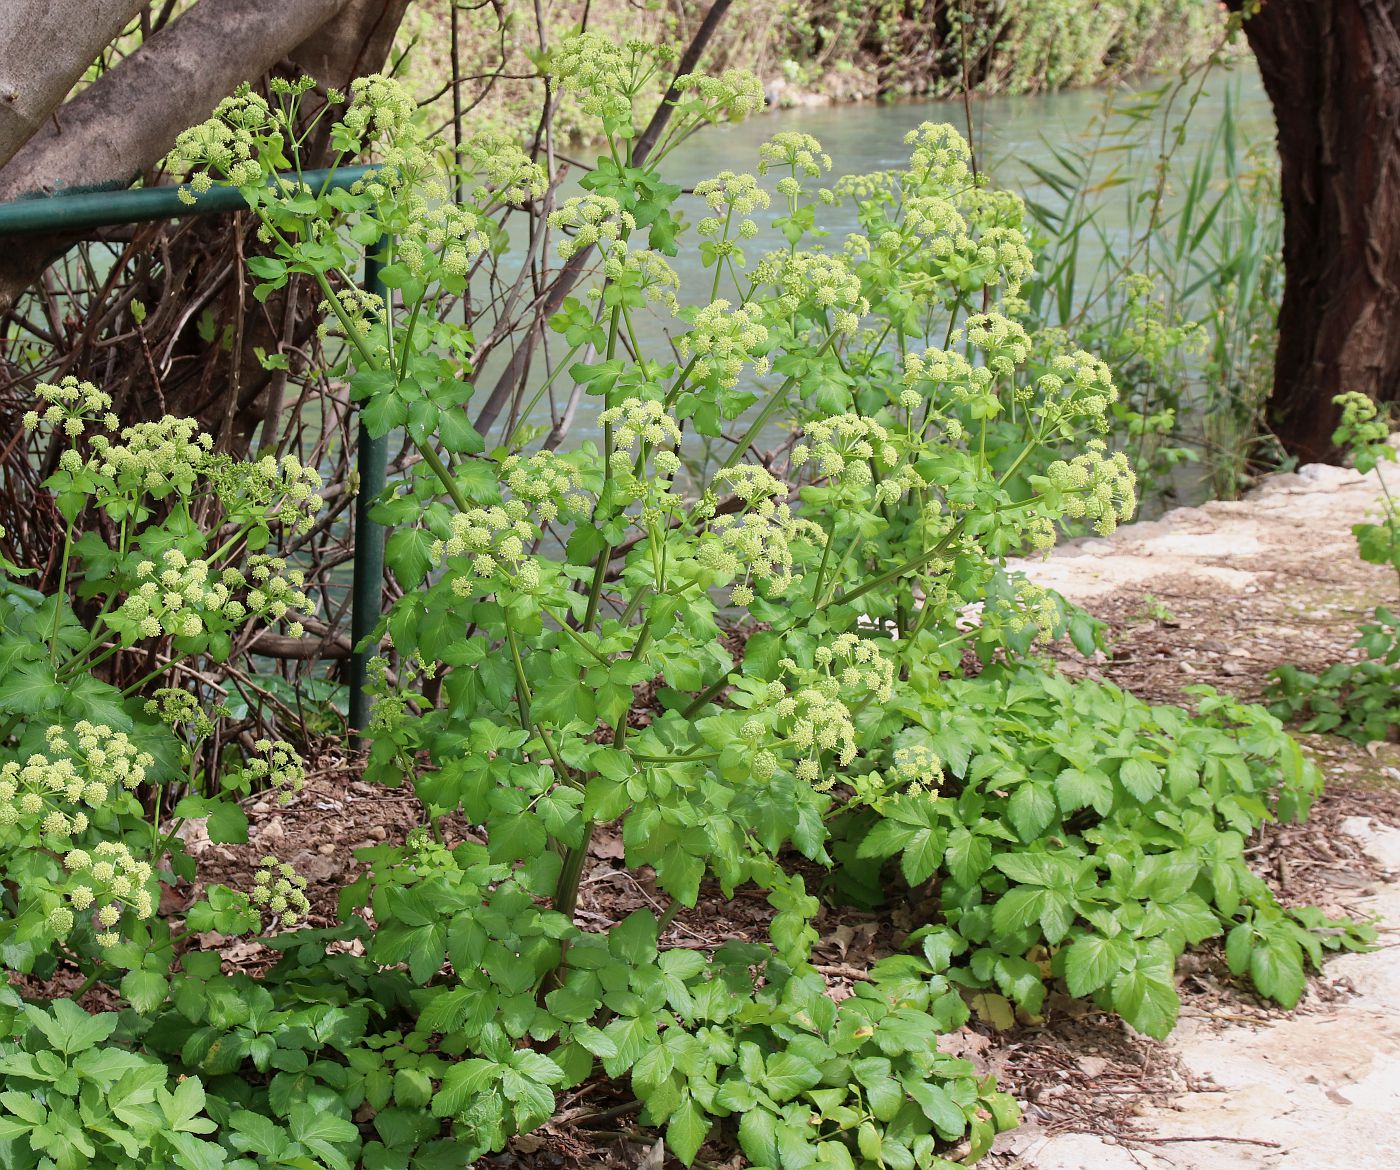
column 553, row 663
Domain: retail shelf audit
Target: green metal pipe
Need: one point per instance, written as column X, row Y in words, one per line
column 372, row 458
column 61, row 212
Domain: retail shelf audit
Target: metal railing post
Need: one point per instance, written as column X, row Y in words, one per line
column 372, row 458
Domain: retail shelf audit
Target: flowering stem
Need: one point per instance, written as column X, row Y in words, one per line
column 600, row 566
column 61, row 596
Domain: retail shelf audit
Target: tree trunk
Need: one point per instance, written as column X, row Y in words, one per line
column 125, row 121
column 1332, row 71
column 67, row 36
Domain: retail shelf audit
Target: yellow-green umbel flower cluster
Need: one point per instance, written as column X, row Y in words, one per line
column 280, row 491
column 381, row 109
column 641, row 428
column 493, row 544
column 278, row 767
column 1078, row 385
column 849, row 450
column 592, row 221
column 729, row 194
column 807, row 718
column 1362, row 424
column 551, row 486
column 84, row 766
column 650, row 271
column 602, row 74
column 155, row 458
column 225, row 145
column 722, row 342
column 180, row 709
column 438, row 228
column 276, row 592
column 361, row 311
column 755, row 546
column 280, row 891
column 918, row 769
column 504, row 171
column 822, row 280
column 733, row 95
column 940, row 158
column 70, row 406
column 1096, row 486
column 175, row 597
column 110, row 882
column 800, row 153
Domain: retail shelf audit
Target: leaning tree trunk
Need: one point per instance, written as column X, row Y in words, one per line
column 1332, row 72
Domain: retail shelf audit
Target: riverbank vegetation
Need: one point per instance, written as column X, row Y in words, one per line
column 754, row 672
column 746, row 645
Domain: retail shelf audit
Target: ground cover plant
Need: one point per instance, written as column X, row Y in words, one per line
column 834, row 458
column 1360, row 700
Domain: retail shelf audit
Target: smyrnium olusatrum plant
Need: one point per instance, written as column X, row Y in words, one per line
column 551, row 594
column 728, row 631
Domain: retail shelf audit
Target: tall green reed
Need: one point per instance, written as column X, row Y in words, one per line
column 1171, row 267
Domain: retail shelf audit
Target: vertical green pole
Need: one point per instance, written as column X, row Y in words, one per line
column 372, row 462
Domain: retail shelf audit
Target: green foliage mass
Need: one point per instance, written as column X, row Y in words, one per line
column 1360, row 700
column 558, row 664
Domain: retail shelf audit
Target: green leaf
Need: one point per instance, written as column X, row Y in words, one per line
column 408, row 553
column 1090, row 962
column 31, row 689
column 1276, row 967
column 323, row 1133
column 1031, row 810
column 227, row 824
column 687, row 1130
column 940, row 1108
column 1147, row 999
column 1075, row 789
column 922, row 856
column 145, row 990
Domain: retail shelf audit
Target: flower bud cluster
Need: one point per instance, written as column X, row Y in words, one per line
column 755, row 546
column 109, row 882
column 647, row 270
column 733, row 95
column 276, row 766
column 549, row 484
column 225, row 145
column 438, row 228
column 381, row 110
column 1362, row 424
column 819, row 279
column 180, row 709
column 799, row 153
column 279, row 890
column 71, row 405
column 848, row 449
column 362, row 311
column 505, row 172
column 934, row 223
column 495, row 542
column 598, row 71
column 940, row 160
column 276, row 592
column 82, row 767
column 722, row 342
column 176, row 596
column 595, row 220
column 1077, row 385
column 637, row 421
column 729, row 194
column 1096, row 486
column 155, row 457
column 282, row 490
column 1035, row 606
column 918, row 769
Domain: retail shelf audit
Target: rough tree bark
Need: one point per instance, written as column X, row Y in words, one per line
column 126, row 120
column 1332, row 72
column 67, row 36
